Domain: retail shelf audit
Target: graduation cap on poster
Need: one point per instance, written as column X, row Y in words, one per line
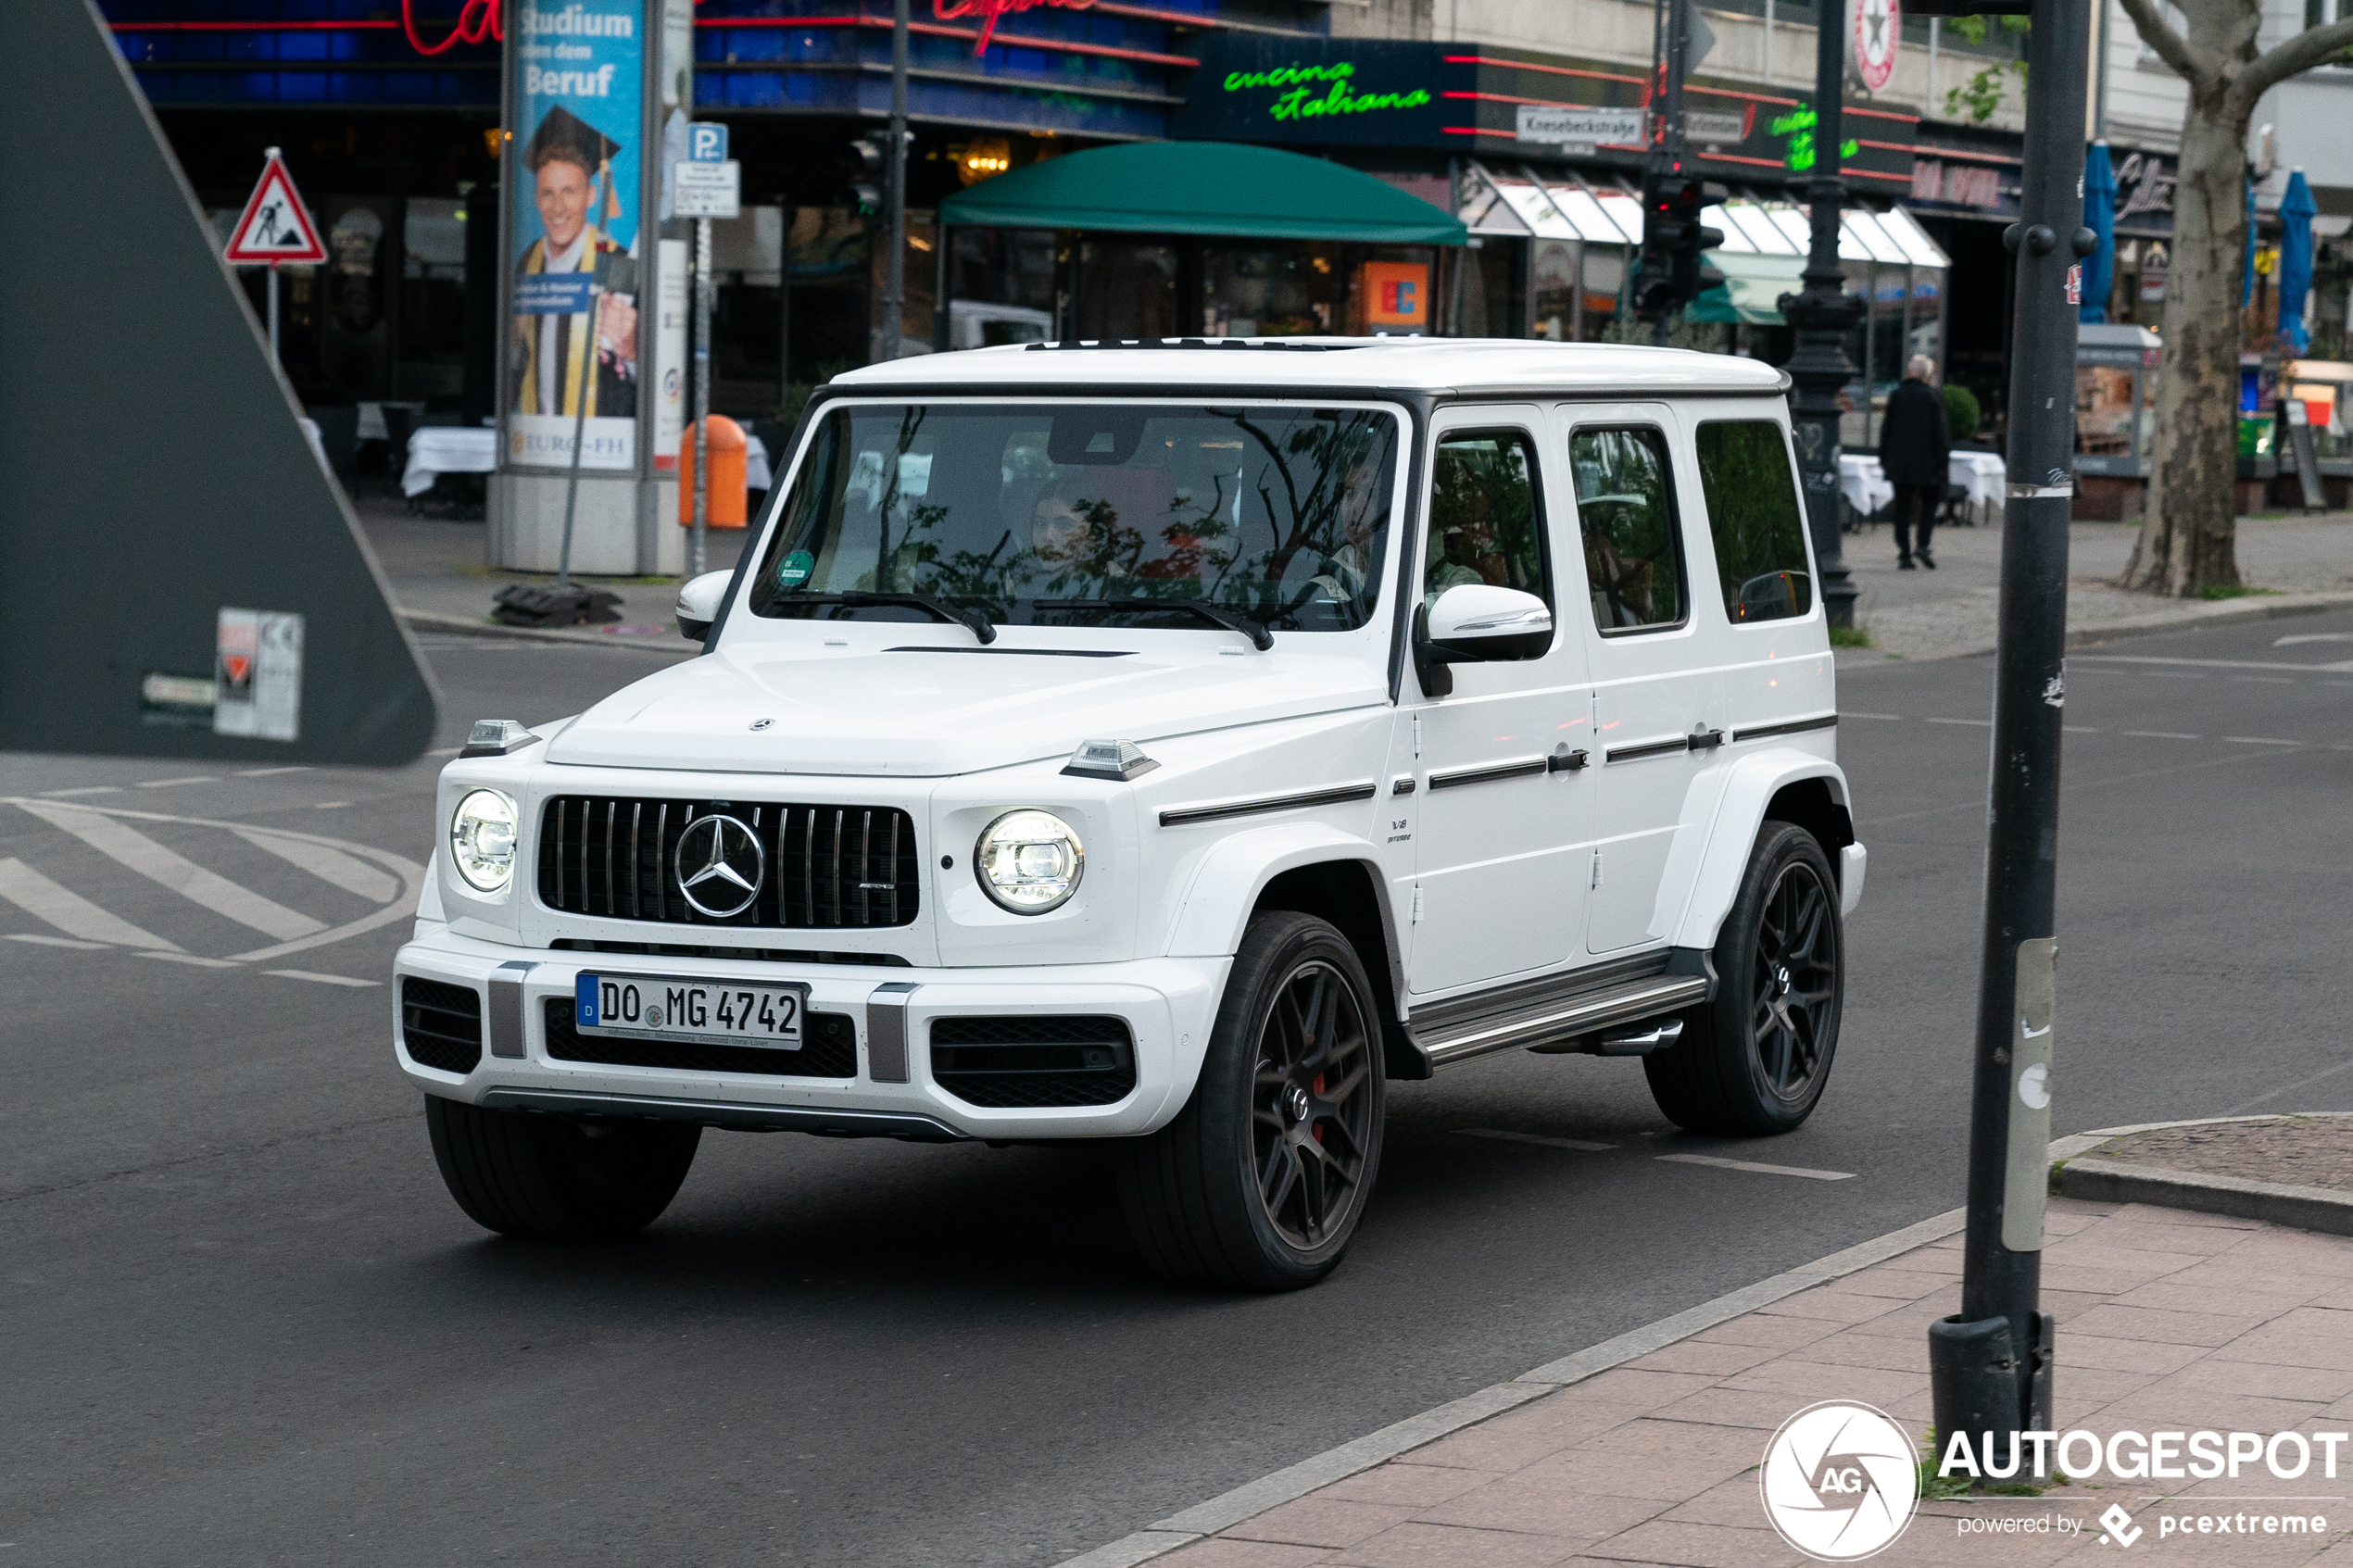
column 565, row 135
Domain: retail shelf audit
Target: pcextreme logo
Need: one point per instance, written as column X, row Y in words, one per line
column 1840, row 1481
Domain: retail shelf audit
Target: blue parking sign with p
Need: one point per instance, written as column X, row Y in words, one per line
column 706, row 142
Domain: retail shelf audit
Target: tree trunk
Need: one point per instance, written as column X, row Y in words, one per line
column 2189, row 535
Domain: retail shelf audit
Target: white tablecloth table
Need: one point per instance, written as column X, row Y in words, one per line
column 1982, row 476
column 1862, row 483
column 371, row 426
column 438, row 449
column 757, row 474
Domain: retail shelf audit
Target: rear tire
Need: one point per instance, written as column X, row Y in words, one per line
column 1260, row 1182
column 557, row 1178
column 1753, row 1061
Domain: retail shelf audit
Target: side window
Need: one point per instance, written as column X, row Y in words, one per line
column 1754, row 516
column 1626, row 513
column 1485, row 525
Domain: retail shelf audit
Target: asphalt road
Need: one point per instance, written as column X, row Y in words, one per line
column 243, row 1323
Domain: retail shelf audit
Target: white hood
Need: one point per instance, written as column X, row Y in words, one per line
column 931, row 713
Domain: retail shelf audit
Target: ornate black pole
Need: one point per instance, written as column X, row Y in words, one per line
column 1821, row 315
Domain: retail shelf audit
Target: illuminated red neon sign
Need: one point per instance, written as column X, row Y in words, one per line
column 477, row 20
column 989, row 10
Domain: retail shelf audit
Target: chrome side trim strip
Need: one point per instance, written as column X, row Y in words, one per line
column 1643, row 999
column 886, row 1032
column 723, row 1113
column 1648, row 749
column 1795, row 727
column 1339, row 794
column 1516, row 769
column 506, row 1010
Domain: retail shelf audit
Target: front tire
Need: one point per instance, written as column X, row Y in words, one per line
column 1753, row 1061
column 1260, row 1182
column 557, row 1178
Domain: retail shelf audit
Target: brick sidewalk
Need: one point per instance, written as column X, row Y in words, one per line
column 2167, row 1320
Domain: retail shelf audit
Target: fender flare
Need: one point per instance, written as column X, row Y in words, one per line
column 1739, row 813
column 1227, row 885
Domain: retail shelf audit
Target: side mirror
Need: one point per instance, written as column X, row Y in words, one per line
column 1475, row 624
column 699, row 602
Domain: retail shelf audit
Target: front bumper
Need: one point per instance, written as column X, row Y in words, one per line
column 1168, row 1005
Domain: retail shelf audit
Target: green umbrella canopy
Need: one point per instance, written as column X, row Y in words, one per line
column 1204, row 188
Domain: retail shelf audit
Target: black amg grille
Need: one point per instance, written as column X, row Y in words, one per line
column 829, row 1049
column 441, row 1024
column 1033, row 1061
column 828, row 866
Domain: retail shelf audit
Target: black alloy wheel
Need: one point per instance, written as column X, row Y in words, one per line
column 1311, row 1106
column 1260, row 1182
column 1752, row 1060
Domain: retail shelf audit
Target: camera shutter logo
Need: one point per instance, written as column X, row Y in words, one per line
column 720, row 865
column 1840, row 1481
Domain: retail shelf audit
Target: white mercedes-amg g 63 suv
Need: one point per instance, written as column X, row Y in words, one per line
column 1170, row 744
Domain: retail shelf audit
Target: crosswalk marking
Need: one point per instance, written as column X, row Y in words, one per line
column 130, row 848
column 327, row 864
column 53, row 941
column 324, row 979
column 191, row 958
column 168, row 784
column 85, row 789
column 68, row 911
column 267, row 772
column 1580, row 1144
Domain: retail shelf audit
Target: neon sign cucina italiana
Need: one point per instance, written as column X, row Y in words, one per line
column 1339, row 96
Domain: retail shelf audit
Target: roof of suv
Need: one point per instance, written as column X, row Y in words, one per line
column 1338, row 364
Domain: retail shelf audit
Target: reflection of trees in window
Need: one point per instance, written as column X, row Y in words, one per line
column 1752, row 515
column 1626, row 513
column 1483, row 524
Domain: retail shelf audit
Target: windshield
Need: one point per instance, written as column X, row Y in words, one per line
column 1066, row 514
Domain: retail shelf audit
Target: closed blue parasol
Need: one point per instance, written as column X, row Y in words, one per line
column 2246, row 267
column 2296, row 259
column 2099, row 216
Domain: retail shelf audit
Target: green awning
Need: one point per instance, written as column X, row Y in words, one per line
column 1753, row 286
column 1204, row 188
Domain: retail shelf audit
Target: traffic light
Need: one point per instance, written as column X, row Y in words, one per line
column 1673, row 239
column 874, row 161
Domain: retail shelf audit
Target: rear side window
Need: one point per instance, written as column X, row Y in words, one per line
column 1626, row 512
column 1754, row 514
column 1484, row 523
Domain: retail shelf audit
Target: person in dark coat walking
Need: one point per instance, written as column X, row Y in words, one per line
column 1915, row 444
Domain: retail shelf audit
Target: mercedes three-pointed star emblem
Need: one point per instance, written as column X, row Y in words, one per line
column 720, row 865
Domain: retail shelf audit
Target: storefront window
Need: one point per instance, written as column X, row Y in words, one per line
column 1602, row 269
column 1270, row 288
column 1128, row 290
column 1552, row 288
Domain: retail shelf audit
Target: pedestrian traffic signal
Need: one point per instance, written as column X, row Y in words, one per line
column 1673, row 240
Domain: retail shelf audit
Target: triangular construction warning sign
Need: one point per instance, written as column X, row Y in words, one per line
column 275, row 226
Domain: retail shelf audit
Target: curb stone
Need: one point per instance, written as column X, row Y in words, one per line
column 1335, row 1464
column 2078, row 1173
column 2194, row 614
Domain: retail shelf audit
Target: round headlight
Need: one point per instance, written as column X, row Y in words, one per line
column 482, row 840
column 1029, row 861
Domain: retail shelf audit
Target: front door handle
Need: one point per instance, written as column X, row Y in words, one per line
column 1564, row 761
column 1705, row 739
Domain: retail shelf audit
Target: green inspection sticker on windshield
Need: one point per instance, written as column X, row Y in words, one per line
column 794, row 570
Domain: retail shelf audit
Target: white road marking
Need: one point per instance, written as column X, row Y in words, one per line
column 2264, row 680
column 2080, row 729
column 2161, row 734
column 328, row 805
column 1761, row 1170
column 168, row 783
column 322, row 979
column 128, row 845
column 1895, row 716
column 2313, row 637
column 267, row 772
column 1980, row 724
column 191, row 958
column 53, row 941
column 2260, row 740
column 328, row 865
column 68, row 911
column 447, row 751
column 2339, row 668
column 85, row 789
column 1531, row 1137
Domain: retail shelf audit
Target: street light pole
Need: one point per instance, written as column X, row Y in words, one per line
column 1990, row 1367
column 1822, row 313
column 895, row 267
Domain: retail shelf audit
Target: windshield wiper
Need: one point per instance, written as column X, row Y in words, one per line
column 1260, row 638
column 974, row 619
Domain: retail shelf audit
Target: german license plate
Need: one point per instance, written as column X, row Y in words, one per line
column 653, row 1006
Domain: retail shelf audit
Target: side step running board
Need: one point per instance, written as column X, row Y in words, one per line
column 1560, row 1018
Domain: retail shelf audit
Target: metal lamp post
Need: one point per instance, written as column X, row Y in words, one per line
column 1822, row 313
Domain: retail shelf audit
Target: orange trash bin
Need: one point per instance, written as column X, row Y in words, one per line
column 729, row 453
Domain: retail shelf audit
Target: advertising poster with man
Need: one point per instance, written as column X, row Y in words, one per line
column 575, row 349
